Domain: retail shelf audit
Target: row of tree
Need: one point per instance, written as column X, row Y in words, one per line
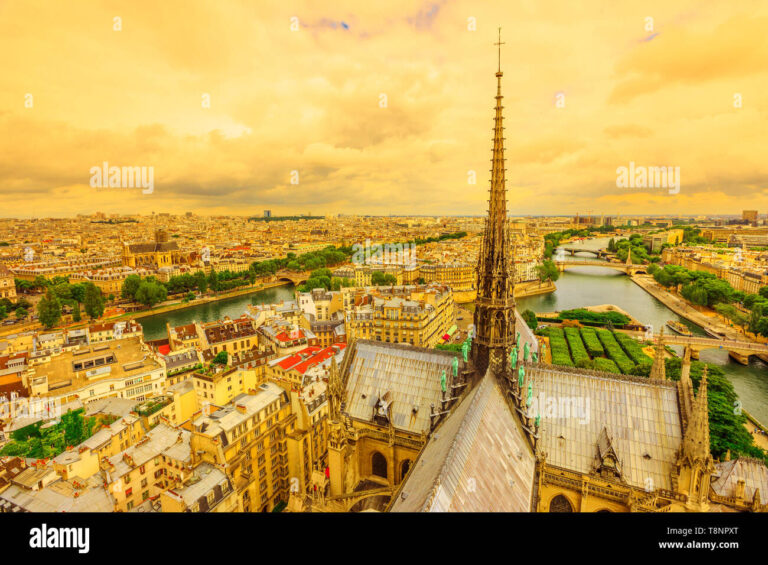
column 706, row 289
column 20, row 308
column 322, row 278
column 60, row 294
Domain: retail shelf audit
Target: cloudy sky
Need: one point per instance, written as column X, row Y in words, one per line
column 381, row 109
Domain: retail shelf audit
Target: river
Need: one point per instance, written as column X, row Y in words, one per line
column 589, row 286
column 577, row 287
column 154, row 326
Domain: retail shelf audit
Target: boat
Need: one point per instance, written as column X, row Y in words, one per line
column 679, row 328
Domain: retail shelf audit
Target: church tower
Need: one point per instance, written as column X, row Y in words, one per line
column 495, row 304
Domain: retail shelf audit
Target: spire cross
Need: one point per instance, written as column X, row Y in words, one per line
column 499, row 44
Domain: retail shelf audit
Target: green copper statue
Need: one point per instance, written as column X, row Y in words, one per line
column 529, row 400
column 535, row 357
column 538, row 420
column 513, row 358
column 455, row 367
column 465, row 350
column 520, row 376
column 526, row 351
column 543, row 351
column 442, row 381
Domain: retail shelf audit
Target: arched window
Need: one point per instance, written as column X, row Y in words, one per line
column 379, row 465
column 404, row 468
column 560, row 504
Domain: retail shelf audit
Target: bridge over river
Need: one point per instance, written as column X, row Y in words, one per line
column 739, row 350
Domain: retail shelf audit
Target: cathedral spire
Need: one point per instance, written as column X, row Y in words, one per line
column 659, row 369
column 495, row 305
column 696, row 437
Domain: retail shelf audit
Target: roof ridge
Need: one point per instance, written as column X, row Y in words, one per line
column 452, row 449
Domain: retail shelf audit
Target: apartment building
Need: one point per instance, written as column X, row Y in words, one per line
column 7, row 284
column 418, row 315
column 228, row 335
column 126, row 368
column 287, row 311
column 207, row 489
column 653, row 242
column 247, row 438
column 219, row 385
column 146, row 469
column 320, row 304
column 285, row 338
column 458, row 276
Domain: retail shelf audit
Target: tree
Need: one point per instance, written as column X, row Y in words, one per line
column 21, row 313
column 3, row 312
column 40, row 282
column 759, row 327
column 379, row 278
column 151, row 293
column 49, row 310
column 213, row 280
column 77, row 292
column 547, row 271
column 94, row 301
column 200, row 282
column 530, row 318
column 74, row 427
column 62, row 290
column 76, row 317
column 130, row 286
column 221, row 358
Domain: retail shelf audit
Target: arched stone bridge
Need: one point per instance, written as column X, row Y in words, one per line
column 629, row 269
column 596, row 252
column 294, row 277
column 739, row 350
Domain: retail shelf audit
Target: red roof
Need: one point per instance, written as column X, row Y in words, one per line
column 164, row 349
column 285, row 336
column 309, row 357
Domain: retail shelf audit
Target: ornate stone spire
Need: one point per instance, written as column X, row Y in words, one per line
column 495, row 305
column 685, row 369
column 335, row 391
column 659, row 368
column 696, row 437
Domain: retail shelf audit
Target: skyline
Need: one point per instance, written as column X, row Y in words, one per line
column 656, row 98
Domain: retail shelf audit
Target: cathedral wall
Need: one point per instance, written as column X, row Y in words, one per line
column 394, row 456
column 578, row 501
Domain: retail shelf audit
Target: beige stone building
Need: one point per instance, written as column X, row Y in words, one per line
column 7, row 284
column 418, row 315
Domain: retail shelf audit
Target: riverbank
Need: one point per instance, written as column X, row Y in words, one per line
column 758, row 431
column 522, row 290
column 701, row 316
column 198, row 302
column 600, row 308
column 158, row 310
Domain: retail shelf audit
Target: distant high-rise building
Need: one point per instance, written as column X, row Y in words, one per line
column 267, row 213
column 750, row 216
